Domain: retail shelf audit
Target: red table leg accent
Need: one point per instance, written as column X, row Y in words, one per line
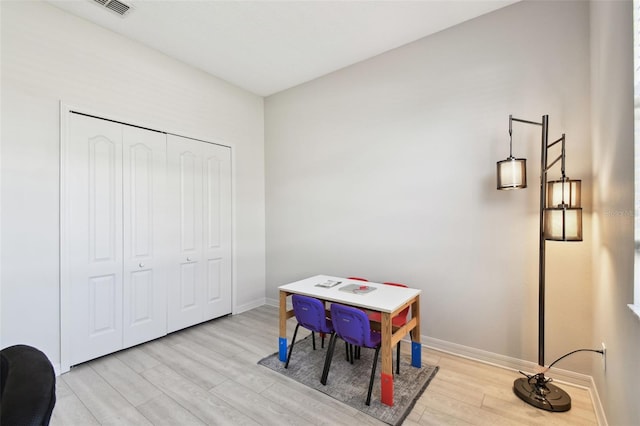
column 386, row 381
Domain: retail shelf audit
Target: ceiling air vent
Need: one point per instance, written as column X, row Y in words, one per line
column 115, row 6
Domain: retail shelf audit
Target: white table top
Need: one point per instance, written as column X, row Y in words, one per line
column 385, row 298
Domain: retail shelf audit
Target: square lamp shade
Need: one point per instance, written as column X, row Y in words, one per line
column 512, row 173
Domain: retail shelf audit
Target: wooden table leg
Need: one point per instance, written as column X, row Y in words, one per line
column 416, row 347
column 386, row 376
column 282, row 343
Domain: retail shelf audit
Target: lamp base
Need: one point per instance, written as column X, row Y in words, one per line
column 537, row 391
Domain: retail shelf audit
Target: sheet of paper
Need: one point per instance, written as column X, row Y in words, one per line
column 328, row 283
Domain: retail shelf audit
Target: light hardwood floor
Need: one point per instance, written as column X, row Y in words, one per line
column 208, row 374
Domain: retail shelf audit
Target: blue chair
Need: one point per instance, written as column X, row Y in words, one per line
column 311, row 314
column 352, row 325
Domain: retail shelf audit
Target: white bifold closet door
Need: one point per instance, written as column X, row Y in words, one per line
column 199, row 191
column 115, row 179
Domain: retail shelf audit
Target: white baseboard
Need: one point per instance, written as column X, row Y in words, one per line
column 597, row 404
column 503, row 361
column 272, row 302
column 248, row 306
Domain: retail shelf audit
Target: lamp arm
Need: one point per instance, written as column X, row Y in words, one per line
column 561, row 139
column 525, row 121
column 560, row 157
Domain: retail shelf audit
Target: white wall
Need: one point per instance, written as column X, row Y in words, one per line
column 49, row 55
column 386, row 169
column 613, row 209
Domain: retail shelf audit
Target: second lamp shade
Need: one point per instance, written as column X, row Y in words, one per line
column 564, row 192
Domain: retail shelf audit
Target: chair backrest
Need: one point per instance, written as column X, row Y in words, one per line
column 311, row 314
column 403, row 314
column 353, row 326
column 28, row 386
column 396, row 284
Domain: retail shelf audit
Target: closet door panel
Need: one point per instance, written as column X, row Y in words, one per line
column 94, row 203
column 190, row 200
column 185, row 290
column 217, row 229
column 103, row 305
column 145, row 240
column 189, row 287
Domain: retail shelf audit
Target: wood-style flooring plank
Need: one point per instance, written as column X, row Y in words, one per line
column 135, row 389
column 437, row 418
column 194, row 371
column 69, row 410
column 462, row 411
column 126, row 417
column 245, row 373
column 164, row 411
column 310, row 404
column 264, row 411
column 102, row 400
column 205, row 406
column 137, row 359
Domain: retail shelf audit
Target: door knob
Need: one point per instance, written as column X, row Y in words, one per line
column 141, row 265
column 188, row 259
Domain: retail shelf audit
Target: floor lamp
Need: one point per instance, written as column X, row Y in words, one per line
column 560, row 220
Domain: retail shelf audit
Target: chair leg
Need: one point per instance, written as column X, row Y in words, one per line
column 398, row 359
column 328, row 357
column 313, row 338
column 322, row 340
column 291, row 347
column 373, row 375
column 353, row 352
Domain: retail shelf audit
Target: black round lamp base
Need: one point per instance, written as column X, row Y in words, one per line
column 542, row 394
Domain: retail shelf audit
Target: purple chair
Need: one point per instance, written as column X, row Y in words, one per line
column 352, row 325
column 310, row 314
